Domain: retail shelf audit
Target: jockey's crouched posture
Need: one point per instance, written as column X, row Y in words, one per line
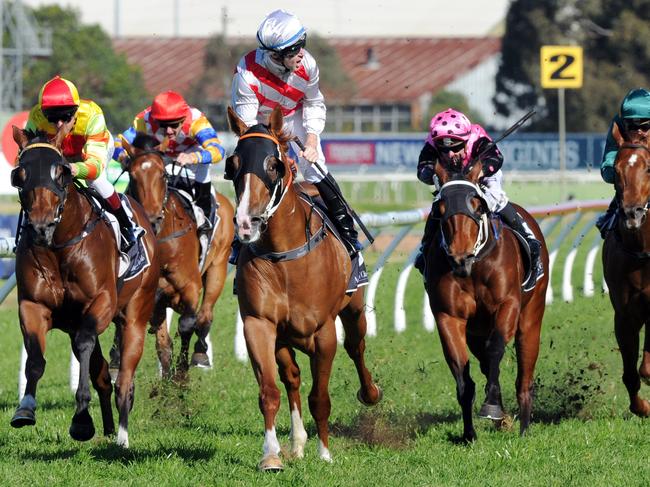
column 453, row 138
column 184, row 134
column 88, row 145
column 281, row 72
column 632, row 119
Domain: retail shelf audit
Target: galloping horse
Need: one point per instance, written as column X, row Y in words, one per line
column 181, row 279
column 626, row 263
column 291, row 280
column 473, row 279
column 67, row 265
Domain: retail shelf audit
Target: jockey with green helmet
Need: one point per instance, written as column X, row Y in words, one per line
column 453, row 138
column 633, row 119
column 280, row 72
column 88, row 145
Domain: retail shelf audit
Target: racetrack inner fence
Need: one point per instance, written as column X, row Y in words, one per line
column 568, row 228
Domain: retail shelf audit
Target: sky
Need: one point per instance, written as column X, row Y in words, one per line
column 336, row 18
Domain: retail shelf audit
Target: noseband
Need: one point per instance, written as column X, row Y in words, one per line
column 277, row 189
column 457, row 196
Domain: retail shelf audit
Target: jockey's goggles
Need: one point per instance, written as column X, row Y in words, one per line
column 295, row 48
column 173, row 124
column 637, row 124
column 448, row 144
column 65, row 114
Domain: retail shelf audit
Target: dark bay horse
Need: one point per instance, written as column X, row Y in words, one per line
column 181, row 279
column 474, row 281
column 67, row 265
column 626, row 263
column 290, row 302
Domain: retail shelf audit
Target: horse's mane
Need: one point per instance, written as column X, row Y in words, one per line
column 145, row 142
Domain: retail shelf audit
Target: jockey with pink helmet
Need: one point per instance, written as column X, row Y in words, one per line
column 453, row 138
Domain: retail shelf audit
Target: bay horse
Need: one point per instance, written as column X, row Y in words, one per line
column 474, row 282
column 67, row 265
column 291, row 284
column 181, row 279
column 626, row 262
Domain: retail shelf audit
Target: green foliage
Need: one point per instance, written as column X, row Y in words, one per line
column 613, row 35
column 450, row 99
column 84, row 54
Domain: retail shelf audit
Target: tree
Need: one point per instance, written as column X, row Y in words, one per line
column 84, row 54
column 613, row 34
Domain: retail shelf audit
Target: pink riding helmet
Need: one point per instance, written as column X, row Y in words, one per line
column 450, row 126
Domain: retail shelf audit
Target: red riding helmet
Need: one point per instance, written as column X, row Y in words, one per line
column 169, row 106
column 57, row 93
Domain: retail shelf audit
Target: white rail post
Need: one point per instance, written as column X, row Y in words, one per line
column 567, row 286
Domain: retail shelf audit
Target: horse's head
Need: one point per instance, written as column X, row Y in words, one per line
column 464, row 223
column 42, row 177
column 632, row 179
column 147, row 176
column 260, row 171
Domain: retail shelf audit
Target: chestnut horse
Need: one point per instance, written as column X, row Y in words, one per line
column 67, row 265
column 291, row 284
column 626, row 263
column 474, row 282
column 181, row 279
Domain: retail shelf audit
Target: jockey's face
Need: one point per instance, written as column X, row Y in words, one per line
column 62, row 118
column 453, row 154
column 171, row 129
column 637, row 126
column 293, row 62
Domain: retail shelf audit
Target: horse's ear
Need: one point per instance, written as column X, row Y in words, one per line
column 126, row 145
column 237, row 126
column 276, row 120
column 19, row 137
column 617, row 135
column 58, row 138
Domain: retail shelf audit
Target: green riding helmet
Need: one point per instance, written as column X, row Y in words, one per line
column 636, row 104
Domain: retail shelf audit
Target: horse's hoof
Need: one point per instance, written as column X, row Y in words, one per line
column 491, row 411
column 82, row 427
column 641, row 408
column 23, row 417
column 380, row 395
column 270, row 463
column 113, row 373
column 201, row 360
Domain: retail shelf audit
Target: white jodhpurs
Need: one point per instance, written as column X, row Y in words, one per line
column 495, row 196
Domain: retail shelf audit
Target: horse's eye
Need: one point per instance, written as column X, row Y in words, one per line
column 274, row 168
column 18, row 177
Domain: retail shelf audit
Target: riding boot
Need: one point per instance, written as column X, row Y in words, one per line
column 605, row 221
column 430, row 229
column 514, row 220
column 339, row 214
column 128, row 228
column 203, row 199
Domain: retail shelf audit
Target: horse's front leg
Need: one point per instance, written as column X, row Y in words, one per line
column 35, row 322
column 627, row 331
column 319, row 398
column 260, row 337
column 452, row 336
column 644, row 369
column 290, row 377
column 164, row 345
column 101, row 380
column 354, row 323
column 190, row 294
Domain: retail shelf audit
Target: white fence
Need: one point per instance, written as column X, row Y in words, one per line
column 559, row 223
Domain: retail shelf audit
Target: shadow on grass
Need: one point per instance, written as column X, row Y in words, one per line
column 187, row 453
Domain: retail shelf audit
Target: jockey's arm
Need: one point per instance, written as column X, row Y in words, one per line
column 211, row 150
column 313, row 107
column 244, row 101
column 94, row 151
column 129, row 135
column 426, row 164
column 492, row 159
column 609, row 156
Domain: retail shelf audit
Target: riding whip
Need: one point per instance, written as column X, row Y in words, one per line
column 338, row 193
column 516, row 126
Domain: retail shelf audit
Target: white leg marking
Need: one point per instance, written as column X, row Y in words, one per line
column 298, row 435
column 122, row 437
column 271, row 443
column 323, row 452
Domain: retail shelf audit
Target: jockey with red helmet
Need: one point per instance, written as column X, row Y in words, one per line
column 453, row 138
column 186, row 135
column 88, row 144
column 280, row 72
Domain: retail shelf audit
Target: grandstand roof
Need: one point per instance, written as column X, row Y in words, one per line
column 383, row 69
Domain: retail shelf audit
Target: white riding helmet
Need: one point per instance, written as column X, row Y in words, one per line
column 279, row 30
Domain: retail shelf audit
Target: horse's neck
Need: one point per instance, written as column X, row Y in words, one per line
column 286, row 228
column 76, row 212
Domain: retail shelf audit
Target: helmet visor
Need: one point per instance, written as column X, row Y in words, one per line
column 65, row 114
column 294, row 49
column 633, row 124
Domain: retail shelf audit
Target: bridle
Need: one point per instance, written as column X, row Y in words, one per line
column 164, row 176
column 457, row 196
